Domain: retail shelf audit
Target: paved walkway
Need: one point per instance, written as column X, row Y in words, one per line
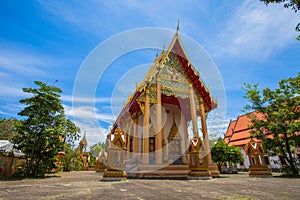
column 86, row 185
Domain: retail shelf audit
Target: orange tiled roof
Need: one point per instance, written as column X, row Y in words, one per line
column 239, row 143
column 242, row 142
column 238, row 132
column 230, row 129
column 240, row 135
column 242, row 123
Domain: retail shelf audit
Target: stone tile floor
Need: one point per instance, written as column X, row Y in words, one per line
column 87, row 185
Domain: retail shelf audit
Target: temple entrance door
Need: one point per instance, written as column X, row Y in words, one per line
column 176, row 147
column 152, row 150
column 176, row 151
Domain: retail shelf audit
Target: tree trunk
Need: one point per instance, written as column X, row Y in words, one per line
column 290, row 158
column 219, row 166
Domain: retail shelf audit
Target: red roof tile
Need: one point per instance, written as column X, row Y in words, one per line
column 238, row 132
column 240, row 135
column 242, row 142
column 242, row 123
column 239, row 143
column 230, row 129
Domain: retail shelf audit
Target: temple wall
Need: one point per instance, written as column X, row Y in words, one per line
column 246, row 159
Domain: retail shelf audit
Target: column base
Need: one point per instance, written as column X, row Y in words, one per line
column 199, row 173
column 213, row 168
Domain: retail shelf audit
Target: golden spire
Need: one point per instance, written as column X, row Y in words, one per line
column 164, row 46
column 177, row 27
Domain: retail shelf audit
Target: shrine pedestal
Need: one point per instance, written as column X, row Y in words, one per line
column 259, row 171
column 199, row 173
column 114, row 174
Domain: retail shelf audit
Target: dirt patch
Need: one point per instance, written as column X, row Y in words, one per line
column 87, row 185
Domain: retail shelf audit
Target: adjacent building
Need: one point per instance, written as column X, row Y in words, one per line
column 238, row 134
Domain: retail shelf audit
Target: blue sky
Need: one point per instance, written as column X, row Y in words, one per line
column 248, row 41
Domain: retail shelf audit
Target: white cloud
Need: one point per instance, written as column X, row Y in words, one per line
column 93, row 16
column 87, row 118
column 87, row 16
column 256, row 30
column 94, row 132
column 11, row 91
column 23, row 62
column 87, row 113
column 71, row 98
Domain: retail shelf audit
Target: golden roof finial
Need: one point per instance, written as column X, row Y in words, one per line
column 177, row 26
column 164, row 45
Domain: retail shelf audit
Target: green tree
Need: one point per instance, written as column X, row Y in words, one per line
column 222, row 153
column 279, row 125
column 40, row 135
column 293, row 4
column 7, row 128
column 72, row 159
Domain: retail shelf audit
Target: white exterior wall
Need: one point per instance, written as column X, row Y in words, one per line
column 274, row 161
column 246, row 158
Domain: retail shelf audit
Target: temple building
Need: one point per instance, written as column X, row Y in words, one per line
column 238, row 134
column 151, row 131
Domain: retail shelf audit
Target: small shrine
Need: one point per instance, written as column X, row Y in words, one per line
column 101, row 161
column 85, row 156
column 115, row 167
column 150, row 138
column 255, row 154
column 198, row 165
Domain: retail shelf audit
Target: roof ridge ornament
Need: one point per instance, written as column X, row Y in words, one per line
column 177, row 29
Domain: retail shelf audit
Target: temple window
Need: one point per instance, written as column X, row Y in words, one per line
column 253, row 160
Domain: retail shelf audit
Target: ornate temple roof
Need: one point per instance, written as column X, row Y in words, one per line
column 176, row 73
